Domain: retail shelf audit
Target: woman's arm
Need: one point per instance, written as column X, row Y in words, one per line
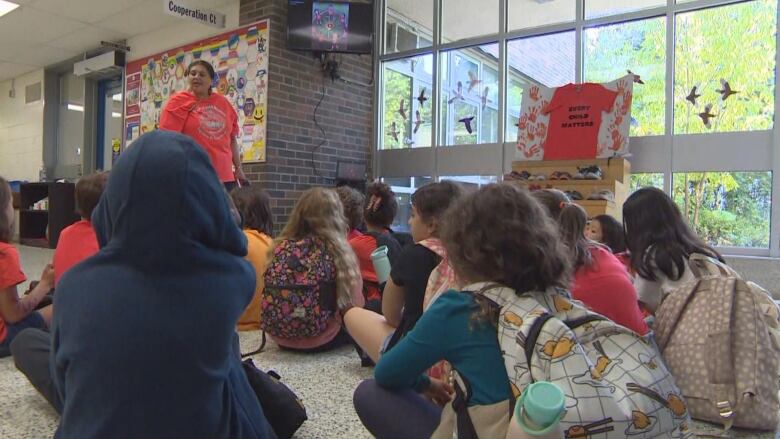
column 14, row 309
column 239, row 172
column 392, row 303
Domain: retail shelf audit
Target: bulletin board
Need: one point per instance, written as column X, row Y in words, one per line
column 534, row 124
column 240, row 59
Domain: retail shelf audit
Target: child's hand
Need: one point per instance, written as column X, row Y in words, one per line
column 47, row 277
column 440, row 392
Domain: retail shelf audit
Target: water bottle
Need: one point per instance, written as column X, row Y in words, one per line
column 538, row 412
column 381, row 264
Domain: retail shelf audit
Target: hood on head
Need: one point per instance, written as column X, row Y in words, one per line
column 163, row 198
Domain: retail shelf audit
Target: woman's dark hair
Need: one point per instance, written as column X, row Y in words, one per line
column 89, row 188
column 432, row 200
column 381, row 205
column 255, row 208
column 352, row 200
column 6, row 230
column 500, row 233
column 571, row 220
column 658, row 236
column 205, row 64
column 612, row 234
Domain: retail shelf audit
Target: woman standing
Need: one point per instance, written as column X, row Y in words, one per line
column 210, row 119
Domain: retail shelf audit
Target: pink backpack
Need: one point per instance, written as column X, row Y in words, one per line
column 300, row 289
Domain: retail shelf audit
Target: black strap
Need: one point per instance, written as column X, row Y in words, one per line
column 530, row 340
column 465, row 427
column 260, row 349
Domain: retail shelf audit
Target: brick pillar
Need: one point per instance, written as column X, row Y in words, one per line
column 294, row 88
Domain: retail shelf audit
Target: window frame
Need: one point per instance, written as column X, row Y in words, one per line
column 666, row 154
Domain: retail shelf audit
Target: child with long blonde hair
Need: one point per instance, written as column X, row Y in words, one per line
column 313, row 276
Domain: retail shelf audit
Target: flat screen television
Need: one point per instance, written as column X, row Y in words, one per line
column 329, row 26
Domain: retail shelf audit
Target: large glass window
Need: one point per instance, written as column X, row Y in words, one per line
column 719, row 51
column 639, row 46
column 409, row 25
column 469, row 90
column 546, row 60
column 525, row 14
column 404, row 187
column 650, row 179
column 726, row 208
column 406, row 105
column 472, row 181
column 462, row 19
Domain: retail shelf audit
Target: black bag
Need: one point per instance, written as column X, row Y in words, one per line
column 283, row 409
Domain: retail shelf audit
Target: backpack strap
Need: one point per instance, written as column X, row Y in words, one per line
column 720, row 364
column 532, row 337
column 464, row 424
column 703, row 265
column 664, row 332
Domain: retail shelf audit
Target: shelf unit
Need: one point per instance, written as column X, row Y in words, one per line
column 42, row 228
column 615, row 177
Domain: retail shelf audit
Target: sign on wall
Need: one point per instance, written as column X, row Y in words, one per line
column 559, row 123
column 240, row 59
column 198, row 15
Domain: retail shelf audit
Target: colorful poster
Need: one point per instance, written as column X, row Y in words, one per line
column 132, row 132
column 609, row 112
column 133, row 95
column 240, row 59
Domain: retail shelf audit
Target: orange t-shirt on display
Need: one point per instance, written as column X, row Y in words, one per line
column 11, row 275
column 212, row 122
column 575, row 118
column 77, row 242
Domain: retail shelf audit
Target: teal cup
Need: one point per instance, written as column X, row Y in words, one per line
column 542, row 404
column 381, row 264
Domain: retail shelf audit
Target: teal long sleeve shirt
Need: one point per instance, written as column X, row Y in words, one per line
column 447, row 331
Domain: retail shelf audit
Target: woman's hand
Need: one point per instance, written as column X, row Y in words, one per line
column 239, row 174
column 439, row 391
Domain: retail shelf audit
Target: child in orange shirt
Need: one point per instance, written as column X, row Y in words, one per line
column 255, row 208
column 78, row 241
column 17, row 313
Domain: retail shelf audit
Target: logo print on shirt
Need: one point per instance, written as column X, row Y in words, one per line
column 213, row 122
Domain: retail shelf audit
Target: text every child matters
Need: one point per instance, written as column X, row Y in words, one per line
column 581, row 112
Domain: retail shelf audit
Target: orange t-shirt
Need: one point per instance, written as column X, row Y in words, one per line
column 575, row 118
column 11, row 275
column 212, row 122
column 258, row 245
column 77, row 242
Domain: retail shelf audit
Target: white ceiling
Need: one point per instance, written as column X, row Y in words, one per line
column 43, row 32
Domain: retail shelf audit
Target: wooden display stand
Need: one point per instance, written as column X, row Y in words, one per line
column 615, row 177
column 41, row 228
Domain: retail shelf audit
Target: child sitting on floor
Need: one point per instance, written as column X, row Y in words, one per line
column 660, row 243
column 17, row 313
column 404, row 294
column 379, row 211
column 78, row 241
column 255, row 209
column 352, row 200
column 607, row 230
column 312, row 277
column 601, row 281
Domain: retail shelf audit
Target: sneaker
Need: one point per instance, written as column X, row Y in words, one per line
column 574, row 195
column 560, row 175
column 603, row 194
column 588, row 173
column 515, row 176
column 538, row 177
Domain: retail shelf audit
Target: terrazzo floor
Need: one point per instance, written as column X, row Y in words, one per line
column 324, row 381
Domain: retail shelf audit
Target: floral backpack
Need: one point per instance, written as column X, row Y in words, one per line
column 300, row 289
column 615, row 382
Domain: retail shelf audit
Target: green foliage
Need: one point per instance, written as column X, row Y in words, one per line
column 735, row 43
column 397, row 86
column 726, row 208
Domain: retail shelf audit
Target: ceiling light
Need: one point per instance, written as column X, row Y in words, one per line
column 75, row 107
column 115, row 114
column 117, row 97
column 6, row 7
